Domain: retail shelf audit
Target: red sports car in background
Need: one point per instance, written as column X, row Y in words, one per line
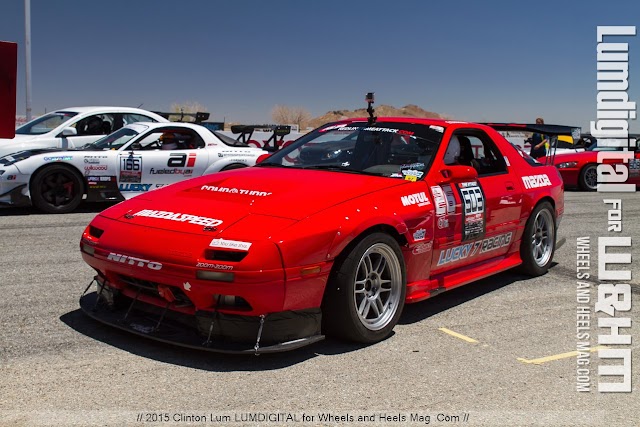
column 581, row 169
column 312, row 242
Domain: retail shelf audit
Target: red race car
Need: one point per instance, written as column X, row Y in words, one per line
column 312, row 242
column 580, row 169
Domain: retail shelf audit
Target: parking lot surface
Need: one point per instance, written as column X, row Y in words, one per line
column 500, row 351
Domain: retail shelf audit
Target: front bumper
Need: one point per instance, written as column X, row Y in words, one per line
column 213, row 331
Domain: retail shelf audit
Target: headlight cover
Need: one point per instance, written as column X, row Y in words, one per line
column 567, row 165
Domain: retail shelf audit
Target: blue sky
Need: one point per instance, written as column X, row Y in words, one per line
column 471, row 60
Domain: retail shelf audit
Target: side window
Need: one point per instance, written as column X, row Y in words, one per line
column 475, row 149
column 98, row 124
column 170, row 139
column 133, row 118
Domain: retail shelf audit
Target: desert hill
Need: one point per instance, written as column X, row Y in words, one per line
column 381, row 111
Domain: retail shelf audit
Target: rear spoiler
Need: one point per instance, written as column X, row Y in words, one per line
column 199, row 116
column 278, row 133
column 553, row 131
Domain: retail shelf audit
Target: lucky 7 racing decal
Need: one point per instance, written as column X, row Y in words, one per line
column 130, row 168
column 473, row 210
column 474, row 248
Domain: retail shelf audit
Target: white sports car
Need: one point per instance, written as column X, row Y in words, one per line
column 135, row 159
column 74, row 127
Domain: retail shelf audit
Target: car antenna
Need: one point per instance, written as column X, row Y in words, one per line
column 370, row 110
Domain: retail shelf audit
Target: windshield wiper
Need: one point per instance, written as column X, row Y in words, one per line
column 337, row 168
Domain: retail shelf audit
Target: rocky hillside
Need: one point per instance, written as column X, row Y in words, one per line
column 381, row 111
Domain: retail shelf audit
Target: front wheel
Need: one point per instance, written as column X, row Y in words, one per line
column 366, row 291
column 538, row 241
column 57, row 189
column 588, row 179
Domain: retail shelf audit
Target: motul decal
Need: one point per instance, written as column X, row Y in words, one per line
column 419, row 199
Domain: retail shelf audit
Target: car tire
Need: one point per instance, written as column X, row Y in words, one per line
column 366, row 291
column 538, row 241
column 588, row 179
column 57, row 189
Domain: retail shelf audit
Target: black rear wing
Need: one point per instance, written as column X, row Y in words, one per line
column 552, row 131
column 278, row 132
column 199, row 117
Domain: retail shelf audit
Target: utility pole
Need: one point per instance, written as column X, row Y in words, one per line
column 27, row 48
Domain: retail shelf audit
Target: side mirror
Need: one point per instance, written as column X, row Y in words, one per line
column 456, row 173
column 69, row 132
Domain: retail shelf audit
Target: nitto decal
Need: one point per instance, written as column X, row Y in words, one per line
column 472, row 248
column 180, row 217
column 139, row 262
column 216, row 266
column 419, row 199
column 235, row 191
column 536, row 181
column 230, row 244
column 134, row 187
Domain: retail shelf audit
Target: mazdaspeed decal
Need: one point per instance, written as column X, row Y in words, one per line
column 179, row 217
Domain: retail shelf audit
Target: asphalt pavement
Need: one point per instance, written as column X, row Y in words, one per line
column 497, row 352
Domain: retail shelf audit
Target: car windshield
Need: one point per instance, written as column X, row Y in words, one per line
column 45, row 123
column 390, row 149
column 117, row 139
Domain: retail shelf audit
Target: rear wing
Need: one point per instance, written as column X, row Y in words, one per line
column 278, row 132
column 551, row 131
column 199, row 117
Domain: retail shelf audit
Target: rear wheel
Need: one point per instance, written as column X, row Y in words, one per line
column 57, row 189
column 538, row 241
column 588, row 179
column 365, row 296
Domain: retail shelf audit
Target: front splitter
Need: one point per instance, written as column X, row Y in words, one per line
column 145, row 325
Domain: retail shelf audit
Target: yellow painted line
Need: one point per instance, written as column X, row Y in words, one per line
column 542, row 360
column 457, row 335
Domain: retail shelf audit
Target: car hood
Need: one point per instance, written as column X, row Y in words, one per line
column 221, row 199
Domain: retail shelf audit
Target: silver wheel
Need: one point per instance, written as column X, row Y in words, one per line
column 543, row 238
column 588, row 179
column 378, row 286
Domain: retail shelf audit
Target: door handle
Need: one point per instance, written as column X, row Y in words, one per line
column 509, row 185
